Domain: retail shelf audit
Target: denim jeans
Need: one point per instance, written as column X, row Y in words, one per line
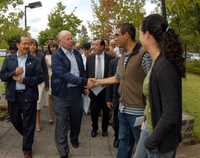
column 142, row 152
column 128, row 135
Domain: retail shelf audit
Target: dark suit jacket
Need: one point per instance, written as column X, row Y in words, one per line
column 33, row 76
column 90, row 65
column 61, row 75
column 112, row 94
column 166, row 106
column 41, row 57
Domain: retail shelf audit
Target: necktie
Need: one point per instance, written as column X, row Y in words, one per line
column 99, row 68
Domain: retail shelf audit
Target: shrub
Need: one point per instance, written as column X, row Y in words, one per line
column 193, row 67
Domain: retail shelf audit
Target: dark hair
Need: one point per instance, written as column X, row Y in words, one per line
column 19, row 38
column 86, row 46
column 102, row 42
column 129, row 28
column 52, row 44
column 166, row 38
column 13, row 45
column 35, row 42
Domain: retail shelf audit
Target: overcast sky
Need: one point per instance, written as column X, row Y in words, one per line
column 37, row 19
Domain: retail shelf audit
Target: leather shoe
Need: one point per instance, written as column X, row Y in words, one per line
column 27, row 154
column 105, row 134
column 116, row 143
column 93, row 133
column 64, row 156
column 75, row 145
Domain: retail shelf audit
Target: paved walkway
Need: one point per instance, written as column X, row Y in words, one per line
column 44, row 146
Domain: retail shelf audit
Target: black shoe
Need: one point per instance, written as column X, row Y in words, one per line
column 93, row 133
column 64, row 156
column 115, row 143
column 105, row 134
column 75, row 145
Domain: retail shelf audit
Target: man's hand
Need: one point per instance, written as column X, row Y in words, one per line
column 91, row 83
column 86, row 92
column 19, row 71
column 46, row 88
column 18, row 78
column 109, row 104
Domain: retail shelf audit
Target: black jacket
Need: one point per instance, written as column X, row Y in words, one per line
column 166, row 106
column 33, row 76
column 41, row 57
column 90, row 65
column 112, row 94
column 61, row 75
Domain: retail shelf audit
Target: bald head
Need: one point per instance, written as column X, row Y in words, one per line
column 65, row 39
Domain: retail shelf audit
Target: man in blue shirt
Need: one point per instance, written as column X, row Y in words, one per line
column 22, row 73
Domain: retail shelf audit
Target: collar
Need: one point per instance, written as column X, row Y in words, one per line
column 67, row 51
column 22, row 56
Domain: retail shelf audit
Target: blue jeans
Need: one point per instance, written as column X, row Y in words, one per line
column 142, row 152
column 128, row 135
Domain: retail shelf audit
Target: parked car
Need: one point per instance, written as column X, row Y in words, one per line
column 195, row 56
column 3, row 52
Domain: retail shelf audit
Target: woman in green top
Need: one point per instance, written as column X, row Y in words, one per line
column 161, row 131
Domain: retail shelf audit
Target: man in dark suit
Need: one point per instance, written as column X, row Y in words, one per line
column 68, row 82
column 97, row 67
column 22, row 73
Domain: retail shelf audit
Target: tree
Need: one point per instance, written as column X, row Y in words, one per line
column 83, row 35
column 59, row 20
column 110, row 13
column 184, row 17
column 9, row 22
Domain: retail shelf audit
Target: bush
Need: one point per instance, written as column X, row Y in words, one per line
column 193, row 67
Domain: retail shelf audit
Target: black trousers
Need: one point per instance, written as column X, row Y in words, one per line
column 22, row 116
column 115, row 118
column 98, row 103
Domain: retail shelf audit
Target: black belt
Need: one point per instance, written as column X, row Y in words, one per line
column 19, row 91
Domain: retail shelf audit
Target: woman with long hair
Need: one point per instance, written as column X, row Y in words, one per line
column 42, row 87
column 52, row 47
column 161, row 130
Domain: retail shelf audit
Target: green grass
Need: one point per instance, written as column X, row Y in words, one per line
column 1, row 59
column 191, row 100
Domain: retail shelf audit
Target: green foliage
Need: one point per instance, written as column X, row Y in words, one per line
column 9, row 22
column 4, row 3
column 59, row 20
column 83, row 35
column 184, row 17
column 193, row 67
column 113, row 12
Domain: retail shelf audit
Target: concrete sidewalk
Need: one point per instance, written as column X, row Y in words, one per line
column 44, row 146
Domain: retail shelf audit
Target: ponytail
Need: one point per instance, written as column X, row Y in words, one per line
column 171, row 47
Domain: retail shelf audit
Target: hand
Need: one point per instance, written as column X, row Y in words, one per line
column 46, row 88
column 91, row 83
column 18, row 78
column 19, row 71
column 109, row 104
column 86, row 92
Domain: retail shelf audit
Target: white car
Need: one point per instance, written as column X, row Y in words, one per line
column 3, row 52
column 195, row 56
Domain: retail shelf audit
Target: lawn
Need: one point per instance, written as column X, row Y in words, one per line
column 191, row 100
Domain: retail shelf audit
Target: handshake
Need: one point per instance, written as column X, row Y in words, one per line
column 92, row 82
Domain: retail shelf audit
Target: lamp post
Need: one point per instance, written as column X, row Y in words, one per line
column 32, row 6
column 163, row 9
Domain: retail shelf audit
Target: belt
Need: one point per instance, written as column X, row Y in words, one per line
column 19, row 91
